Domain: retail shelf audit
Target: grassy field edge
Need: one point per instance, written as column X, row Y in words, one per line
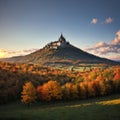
column 92, row 109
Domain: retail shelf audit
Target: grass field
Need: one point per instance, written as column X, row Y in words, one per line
column 104, row 108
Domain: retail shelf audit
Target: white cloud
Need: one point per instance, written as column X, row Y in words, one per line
column 104, row 49
column 94, row 21
column 108, row 20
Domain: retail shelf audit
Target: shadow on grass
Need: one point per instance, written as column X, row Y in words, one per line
column 105, row 108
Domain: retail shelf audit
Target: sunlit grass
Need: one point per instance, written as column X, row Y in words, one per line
column 110, row 102
column 79, row 105
column 106, row 102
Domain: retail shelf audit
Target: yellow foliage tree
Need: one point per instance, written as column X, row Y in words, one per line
column 51, row 91
column 29, row 93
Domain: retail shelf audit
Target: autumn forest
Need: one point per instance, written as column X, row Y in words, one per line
column 33, row 83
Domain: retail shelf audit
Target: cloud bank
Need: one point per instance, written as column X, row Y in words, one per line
column 103, row 48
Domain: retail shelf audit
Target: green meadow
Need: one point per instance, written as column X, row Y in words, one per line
column 103, row 108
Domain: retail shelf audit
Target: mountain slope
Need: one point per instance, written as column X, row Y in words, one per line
column 63, row 52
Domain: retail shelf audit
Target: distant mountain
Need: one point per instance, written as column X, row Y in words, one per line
column 12, row 59
column 117, row 61
column 60, row 52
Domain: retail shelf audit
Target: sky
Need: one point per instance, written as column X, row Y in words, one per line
column 91, row 25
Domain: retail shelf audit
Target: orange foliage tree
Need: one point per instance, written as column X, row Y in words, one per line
column 82, row 91
column 28, row 94
column 66, row 91
column 74, row 91
column 50, row 91
column 116, row 79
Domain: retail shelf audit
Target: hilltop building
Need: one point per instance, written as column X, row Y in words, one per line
column 57, row 44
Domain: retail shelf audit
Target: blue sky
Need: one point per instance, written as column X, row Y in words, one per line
column 91, row 25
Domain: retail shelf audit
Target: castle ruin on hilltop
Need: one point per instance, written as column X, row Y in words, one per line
column 57, row 44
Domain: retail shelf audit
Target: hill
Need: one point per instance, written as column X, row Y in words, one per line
column 60, row 52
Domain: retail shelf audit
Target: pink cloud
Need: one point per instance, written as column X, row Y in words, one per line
column 116, row 41
column 94, row 21
column 108, row 20
column 102, row 48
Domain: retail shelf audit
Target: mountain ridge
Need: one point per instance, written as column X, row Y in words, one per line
column 61, row 52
